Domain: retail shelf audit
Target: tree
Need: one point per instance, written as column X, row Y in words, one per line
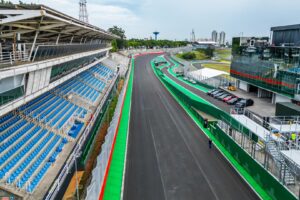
column 135, row 43
column 188, row 55
column 119, row 43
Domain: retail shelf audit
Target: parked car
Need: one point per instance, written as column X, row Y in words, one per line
column 192, row 81
column 233, row 101
column 211, row 91
column 219, row 94
column 228, row 98
column 223, row 96
column 214, row 92
column 231, row 88
column 244, row 103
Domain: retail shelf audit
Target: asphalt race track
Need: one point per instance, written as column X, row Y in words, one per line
column 168, row 156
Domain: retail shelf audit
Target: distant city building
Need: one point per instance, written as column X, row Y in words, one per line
column 193, row 37
column 214, row 36
column 204, row 44
column 222, row 38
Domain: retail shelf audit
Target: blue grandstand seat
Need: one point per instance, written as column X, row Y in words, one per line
column 26, row 149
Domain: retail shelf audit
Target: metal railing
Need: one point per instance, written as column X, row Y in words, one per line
column 10, row 57
column 267, row 154
column 43, row 52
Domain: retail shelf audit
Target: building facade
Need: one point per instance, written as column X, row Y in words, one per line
column 222, row 38
column 214, row 36
column 269, row 67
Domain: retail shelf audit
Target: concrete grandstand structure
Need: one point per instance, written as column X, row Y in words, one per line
column 55, row 76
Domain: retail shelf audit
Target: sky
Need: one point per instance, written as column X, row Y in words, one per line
column 176, row 19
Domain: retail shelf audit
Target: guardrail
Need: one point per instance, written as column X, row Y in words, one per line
column 43, row 52
column 10, row 57
column 77, row 149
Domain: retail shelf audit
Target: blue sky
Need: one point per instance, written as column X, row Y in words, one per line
column 176, row 19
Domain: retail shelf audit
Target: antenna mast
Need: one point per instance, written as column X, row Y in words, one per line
column 83, row 15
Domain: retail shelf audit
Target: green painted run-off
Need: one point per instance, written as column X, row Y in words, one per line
column 113, row 187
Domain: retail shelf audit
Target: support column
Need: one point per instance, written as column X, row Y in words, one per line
column 57, row 39
column 72, row 39
column 34, row 40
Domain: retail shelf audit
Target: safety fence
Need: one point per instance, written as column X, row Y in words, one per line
column 77, row 151
column 245, row 148
column 100, row 172
column 186, row 64
column 44, row 52
column 215, row 82
column 256, row 160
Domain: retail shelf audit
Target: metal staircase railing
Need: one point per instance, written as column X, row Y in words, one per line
column 285, row 173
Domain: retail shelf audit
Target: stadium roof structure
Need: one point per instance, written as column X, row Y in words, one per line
column 29, row 19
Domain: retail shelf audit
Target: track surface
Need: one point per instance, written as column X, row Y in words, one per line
column 168, row 156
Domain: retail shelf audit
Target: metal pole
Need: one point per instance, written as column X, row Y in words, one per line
column 35, row 37
column 77, row 192
column 57, row 39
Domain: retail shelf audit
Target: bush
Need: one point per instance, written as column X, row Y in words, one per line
column 188, row 55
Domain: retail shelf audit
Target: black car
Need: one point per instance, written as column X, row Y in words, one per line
column 244, row 103
column 233, row 101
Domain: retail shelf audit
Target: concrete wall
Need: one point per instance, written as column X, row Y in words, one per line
column 38, row 83
column 243, row 85
column 11, row 83
column 37, row 80
column 280, row 98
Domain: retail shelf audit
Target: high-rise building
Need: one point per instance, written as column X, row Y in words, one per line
column 214, row 36
column 222, row 38
column 193, row 37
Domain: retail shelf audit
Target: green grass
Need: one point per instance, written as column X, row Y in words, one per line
column 218, row 66
column 199, row 55
column 223, row 54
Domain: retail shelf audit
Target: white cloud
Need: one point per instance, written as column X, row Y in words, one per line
column 176, row 19
column 102, row 15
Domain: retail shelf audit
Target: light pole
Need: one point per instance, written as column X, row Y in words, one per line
column 76, row 155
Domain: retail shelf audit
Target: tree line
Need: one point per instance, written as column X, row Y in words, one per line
column 124, row 43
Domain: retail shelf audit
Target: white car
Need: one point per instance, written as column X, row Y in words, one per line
column 192, row 81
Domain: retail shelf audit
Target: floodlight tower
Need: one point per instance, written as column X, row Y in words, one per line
column 155, row 34
column 83, row 15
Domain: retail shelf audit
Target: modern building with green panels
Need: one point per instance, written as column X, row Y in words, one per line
column 269, row 66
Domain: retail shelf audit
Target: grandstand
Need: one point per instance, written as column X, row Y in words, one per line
column 53, row 84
